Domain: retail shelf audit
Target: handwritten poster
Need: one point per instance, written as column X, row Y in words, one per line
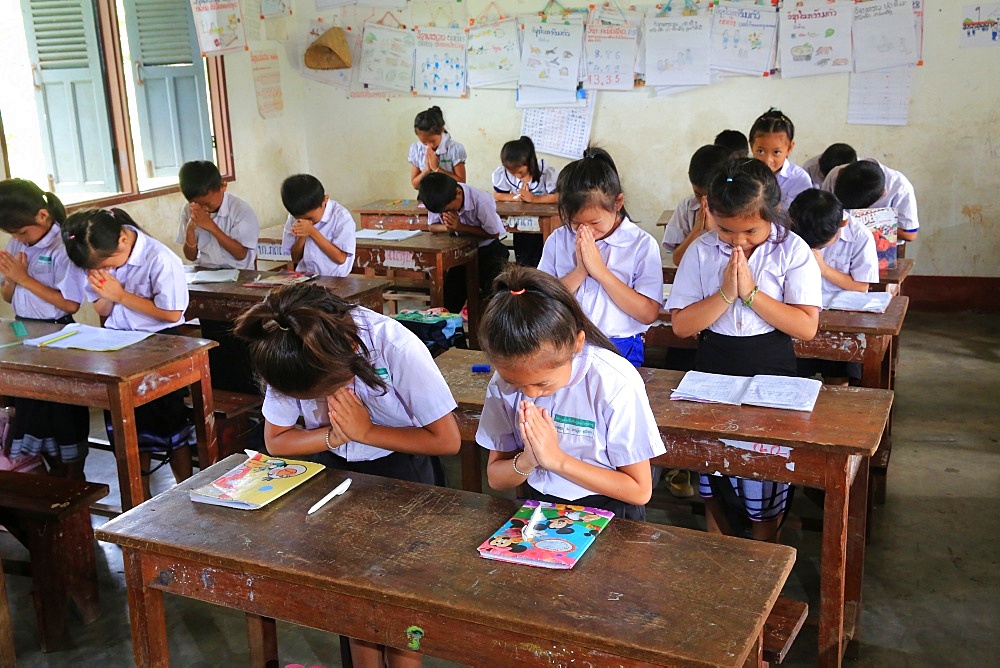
column 550, row 55
column 564, row 131
column 266, row 70
column 815, row 39
column 884, row 35
column 881, row 97
column 387, row 56
column 492, row 55
column 918, row 20
column 440, row 62
column 677, row 50
column 743, row 38
column 980, row 25
column 219, row 24
column 610, row 56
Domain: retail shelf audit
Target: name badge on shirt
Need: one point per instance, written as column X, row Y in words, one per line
column 44, row 264
column 572, row 426
column 383, row 373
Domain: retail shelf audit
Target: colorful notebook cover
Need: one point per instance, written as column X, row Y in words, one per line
column 883, row 223
column 562, row 533
column 256, row 482
column 284, row 278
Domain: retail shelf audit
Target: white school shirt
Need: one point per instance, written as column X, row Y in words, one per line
column 237, row 220
column 505, row 182
column 792, row 180
column 337, row 225
column 416, row 396
column 602, row 417
column 852, row 253
column 681, row 222
column 449, row 152
column 479, row 209
column 152, row 271
column 785, row 271
column 811, row 167
column 899, row 195
column 630, row 253
column 49, row 265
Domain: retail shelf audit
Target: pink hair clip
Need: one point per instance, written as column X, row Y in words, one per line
column 517, row 292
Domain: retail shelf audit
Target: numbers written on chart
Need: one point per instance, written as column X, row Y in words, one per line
column 617, row 78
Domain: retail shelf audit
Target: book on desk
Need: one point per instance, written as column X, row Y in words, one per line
column 548, row 535
column 788, row 392
column 256, row 482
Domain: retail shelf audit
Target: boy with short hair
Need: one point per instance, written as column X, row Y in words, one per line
column 319, row 233
column 690, row 219
column 217, row 229
column 868, row 184
column 820, row 165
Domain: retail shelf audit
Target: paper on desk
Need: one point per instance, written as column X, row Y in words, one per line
column 86, row 337
column 713, row 388
column 849, row 300
column 797, row 394
column 386, row 235
column 213, row 276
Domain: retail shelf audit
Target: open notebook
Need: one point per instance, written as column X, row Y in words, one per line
column 849, row 300
column 797, row 394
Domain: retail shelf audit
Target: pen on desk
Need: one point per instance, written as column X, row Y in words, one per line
column 339, row 489
column 64, row 335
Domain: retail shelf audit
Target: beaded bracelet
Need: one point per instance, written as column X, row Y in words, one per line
column 517, row 470
column 328, row 431
column 725, row 298
column 748, row 302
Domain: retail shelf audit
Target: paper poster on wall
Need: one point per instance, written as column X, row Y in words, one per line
column 743, row 38
column 297, row 47
column 564, row 132
column 550, row 55
column 815, row 39
column 610, row 56
column 219, row 24
column 533, row 96
column 266, row 69
column 883, row 35
column 980, row 25
column 251, row 19
column 677, row 50
column 918, row 24
column 440, row 62
column 387, row 57
column 272, row 9
column 493, row 54
column 881, row 97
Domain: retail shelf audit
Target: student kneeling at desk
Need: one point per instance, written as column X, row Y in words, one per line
column 383, row 407
column 462, row 209
column 565, row 412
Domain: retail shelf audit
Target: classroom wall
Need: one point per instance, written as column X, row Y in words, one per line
column 950, row 150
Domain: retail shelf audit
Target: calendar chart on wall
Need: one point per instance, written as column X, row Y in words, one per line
column 562, row 131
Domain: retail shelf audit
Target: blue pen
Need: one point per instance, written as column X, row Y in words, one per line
column 480, row 368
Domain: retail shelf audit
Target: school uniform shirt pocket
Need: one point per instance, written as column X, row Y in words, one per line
column 577, row 436
column 43, row 266
column 771, row 283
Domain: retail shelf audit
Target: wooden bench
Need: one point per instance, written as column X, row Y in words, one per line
column 782, row 626
column 51, row 518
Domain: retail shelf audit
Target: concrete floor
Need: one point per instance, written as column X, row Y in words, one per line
column 931, row 577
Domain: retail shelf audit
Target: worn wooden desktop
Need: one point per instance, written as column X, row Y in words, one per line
column 422, row 261
column 395, row 563
column 117, row 381
column 406, row 214
column 226, row 301
column 830, row 450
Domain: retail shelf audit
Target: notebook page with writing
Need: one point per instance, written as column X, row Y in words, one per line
column 797, row 394
column 849, row 300
column 711, row 388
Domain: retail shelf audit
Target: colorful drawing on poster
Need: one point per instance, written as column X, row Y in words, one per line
column 610, row 56
column 883, row 35
column 550, row 55
column 387, row 56
column 440, row 62
column 219, row 25
column 815, row 39
column 270, row 9
column 678, row 50
column 492, row 54
column 980, row 26
column 743, row 38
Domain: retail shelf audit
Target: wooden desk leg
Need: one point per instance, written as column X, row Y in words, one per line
column 262, row 634
column 145, row 613
column 80, row 564
column 833, row 562
column 437, row 282
column 856, row 534
column 472, row 292
column 126, row 446
column 6, row 628
column 472, row 467
column 204, row 414
column 756, row 656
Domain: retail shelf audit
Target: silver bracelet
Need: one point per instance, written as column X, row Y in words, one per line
column 328, row 430
column 517, row 470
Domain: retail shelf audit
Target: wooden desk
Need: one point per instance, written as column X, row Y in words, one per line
column 7, row 657
column 404, row 557
column 830, row 450
column 226, row 301
column 117, row 381
column 406, row 214
column 422, row 261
